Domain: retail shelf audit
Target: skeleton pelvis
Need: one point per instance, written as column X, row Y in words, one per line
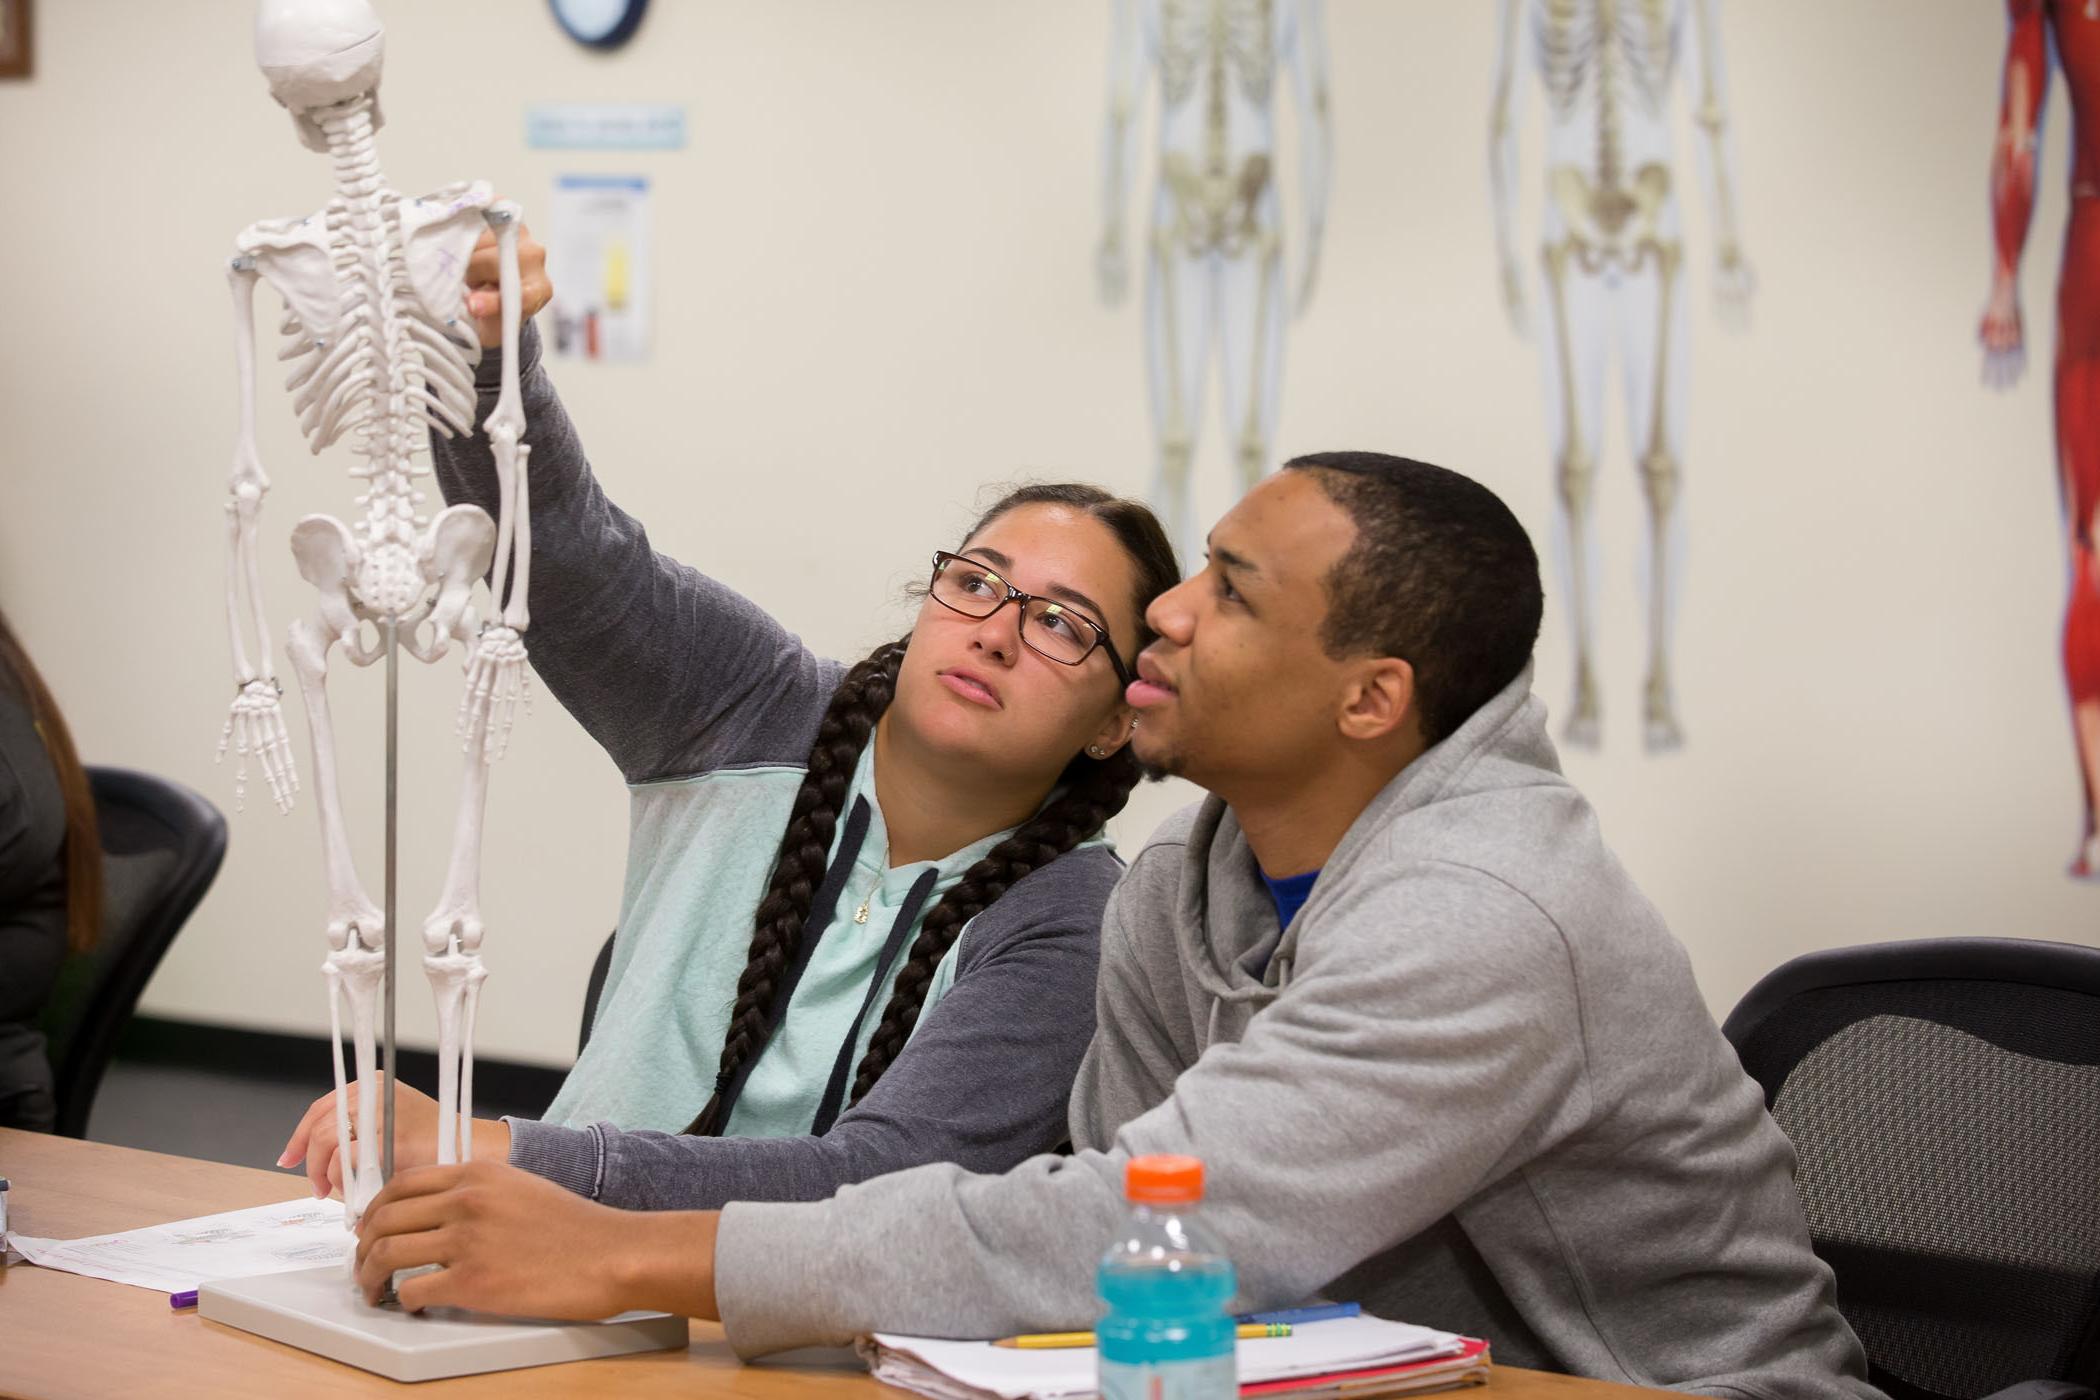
column 1216, row 210
column 1608, row 215
column 388, row 581
column 393, row 578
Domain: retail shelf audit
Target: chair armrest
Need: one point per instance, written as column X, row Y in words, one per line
column 2043, row 1390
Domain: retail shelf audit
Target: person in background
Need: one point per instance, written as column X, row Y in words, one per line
column 50, row 877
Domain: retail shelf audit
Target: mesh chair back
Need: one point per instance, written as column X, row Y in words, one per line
column 161, row 847
column 1943, row 1098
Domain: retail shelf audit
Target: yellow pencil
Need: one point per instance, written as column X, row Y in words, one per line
column 1044, row 1341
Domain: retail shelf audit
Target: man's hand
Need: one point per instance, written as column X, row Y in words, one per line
column 485, row 280
column 510, row 1242
column 415, row 1136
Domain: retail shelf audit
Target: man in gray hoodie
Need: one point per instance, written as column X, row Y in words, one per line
column 1470, row 1082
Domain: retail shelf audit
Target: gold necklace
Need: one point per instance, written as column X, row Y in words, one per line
column 860, row 915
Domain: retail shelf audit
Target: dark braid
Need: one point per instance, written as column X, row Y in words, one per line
column 1096, row 792
column 804, row 848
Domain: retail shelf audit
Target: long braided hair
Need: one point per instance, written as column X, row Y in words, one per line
column 1089, row 792
column 83, row 846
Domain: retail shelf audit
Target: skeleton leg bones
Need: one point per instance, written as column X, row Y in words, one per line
column 360, row 973
column 356, row 928
column 1251, row 326
column 1177, row 335
column 452, row 957
column 1573, row 363
column 1661, row 482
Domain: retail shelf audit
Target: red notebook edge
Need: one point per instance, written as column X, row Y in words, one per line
column 1468, row 1366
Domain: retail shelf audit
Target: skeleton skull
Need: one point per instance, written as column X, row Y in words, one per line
column 317, row 53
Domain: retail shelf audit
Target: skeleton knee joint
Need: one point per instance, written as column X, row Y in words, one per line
column 1660, row 481
column 1578, row 476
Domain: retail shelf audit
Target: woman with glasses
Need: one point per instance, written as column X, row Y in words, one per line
column 863, row 904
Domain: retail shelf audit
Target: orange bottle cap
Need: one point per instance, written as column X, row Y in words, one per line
column 1163, row 1180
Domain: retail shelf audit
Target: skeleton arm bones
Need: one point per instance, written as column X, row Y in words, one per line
column 496, row 674
column 255, row 721
column 1308, row 60
column 1118, row 147
column 1733, row 279
column 2014, row 156
column 1507, row 108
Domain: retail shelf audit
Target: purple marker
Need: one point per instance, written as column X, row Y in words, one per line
column 183, row 1300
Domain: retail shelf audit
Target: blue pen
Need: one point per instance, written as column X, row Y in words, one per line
column 1319, row 1312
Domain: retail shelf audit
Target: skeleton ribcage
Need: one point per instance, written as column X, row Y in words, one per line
column 387, row 368
column 1605, row 57
column 1215, row 39
column 376, row 325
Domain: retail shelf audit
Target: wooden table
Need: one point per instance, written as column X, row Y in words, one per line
column 62, row 1335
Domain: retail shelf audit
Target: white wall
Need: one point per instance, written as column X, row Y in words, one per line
column 874, row 295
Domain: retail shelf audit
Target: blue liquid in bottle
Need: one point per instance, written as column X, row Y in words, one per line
column 1166, row 1284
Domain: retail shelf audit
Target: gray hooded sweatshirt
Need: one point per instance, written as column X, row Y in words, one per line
column 1472, row 1086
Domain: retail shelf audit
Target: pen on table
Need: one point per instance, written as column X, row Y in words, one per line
column 1317, row 1312
column 183, row 1300
column 1045, row 1341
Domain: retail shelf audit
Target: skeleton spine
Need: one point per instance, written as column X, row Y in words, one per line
column 390, row 428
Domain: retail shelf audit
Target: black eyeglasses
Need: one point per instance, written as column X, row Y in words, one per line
column 1048, row 628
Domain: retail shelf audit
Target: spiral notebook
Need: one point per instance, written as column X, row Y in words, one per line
column 1355, row 1357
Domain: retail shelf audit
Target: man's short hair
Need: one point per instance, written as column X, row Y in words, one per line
column 1441, row 576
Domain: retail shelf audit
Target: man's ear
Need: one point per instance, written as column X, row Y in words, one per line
column 1379, row 699
column 1113, row 734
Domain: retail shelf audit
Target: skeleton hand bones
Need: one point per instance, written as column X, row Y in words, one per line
column 497, row 278
column 255, row 720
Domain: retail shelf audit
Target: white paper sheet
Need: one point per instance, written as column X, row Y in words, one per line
column 176, row 1257
column 972, row 1369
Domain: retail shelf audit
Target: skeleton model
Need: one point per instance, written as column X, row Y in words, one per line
column 1215, row 271
column 1614, row 257
column 382, row 347
column 2071, row 33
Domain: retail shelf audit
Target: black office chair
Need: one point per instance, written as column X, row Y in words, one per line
column 1943, row 1097
column 594, row 989
column 161, row 846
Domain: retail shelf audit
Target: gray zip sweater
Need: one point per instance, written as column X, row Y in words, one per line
column 709, row 708
column 1472, row 1086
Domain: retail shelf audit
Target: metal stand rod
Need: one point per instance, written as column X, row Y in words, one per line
column 393, row 768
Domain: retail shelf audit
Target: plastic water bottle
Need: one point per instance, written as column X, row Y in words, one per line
column 1166, row 1284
